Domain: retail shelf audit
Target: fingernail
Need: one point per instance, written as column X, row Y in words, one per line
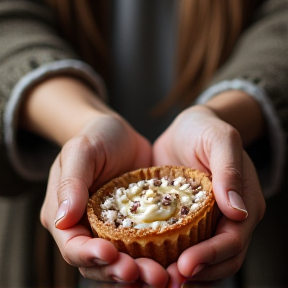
column 100, row 262
column 237, row 202
column 116, row 279
column 198, row 268
column 62, row 211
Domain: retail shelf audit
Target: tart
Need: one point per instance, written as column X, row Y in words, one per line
column 155, row 212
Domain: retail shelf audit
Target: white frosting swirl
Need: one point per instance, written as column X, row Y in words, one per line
column 152, row 203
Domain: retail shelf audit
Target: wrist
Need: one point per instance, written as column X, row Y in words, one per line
column 241, row 111
column 59, row 107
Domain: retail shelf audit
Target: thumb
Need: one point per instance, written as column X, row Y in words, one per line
column 77, row 174
column 226, row 168
column 72, row 198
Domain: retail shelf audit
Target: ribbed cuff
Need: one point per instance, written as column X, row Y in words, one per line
column 271, row 177
column 33, row 162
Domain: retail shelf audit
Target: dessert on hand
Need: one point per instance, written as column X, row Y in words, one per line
column 155, row 212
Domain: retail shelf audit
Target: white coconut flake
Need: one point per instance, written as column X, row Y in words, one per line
column 185, row 200
column 141, row 183
column 149, row 192
column 200, row 196
column 164, row 182
column 124, row 198
column 110, row 215
column 127, row 223
column 108, row 204
column 119, row 192
column 184, row 186
column 151, row 182
column 194, row 207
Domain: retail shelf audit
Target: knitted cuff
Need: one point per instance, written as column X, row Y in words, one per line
column 33, row 157
column 271, row 175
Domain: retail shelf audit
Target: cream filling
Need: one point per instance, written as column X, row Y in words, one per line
column 152, row 203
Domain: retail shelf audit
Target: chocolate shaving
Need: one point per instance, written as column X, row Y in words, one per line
column 184, row 210
column 135, row 206
column 193, row 183
column 157, row 182
column 166, row 200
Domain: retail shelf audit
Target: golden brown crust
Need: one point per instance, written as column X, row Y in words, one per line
column 163, row 244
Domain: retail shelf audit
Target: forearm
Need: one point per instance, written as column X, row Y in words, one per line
column 59, row 107
column 258, row 59
column 241, row 111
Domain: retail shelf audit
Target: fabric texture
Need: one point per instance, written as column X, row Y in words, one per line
column 30, row 45
column 34, row 163
column 271, row 175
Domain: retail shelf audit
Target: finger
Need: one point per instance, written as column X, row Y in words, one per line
column 77, row 174
column 226, row 168
column 176, row 279
column 50, row 204
column 98, row 258
column 79, row 249
column 152, row 273
column 123, row 269
column 223, row 269
column 230, row 240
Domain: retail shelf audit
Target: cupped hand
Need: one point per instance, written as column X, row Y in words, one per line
column 199, row 139
column 106, row 147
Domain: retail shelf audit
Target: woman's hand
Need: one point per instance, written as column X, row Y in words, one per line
column 97, row 145
column 106, row 147
column 199, row 139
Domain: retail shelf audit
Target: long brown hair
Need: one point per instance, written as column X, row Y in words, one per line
column 85, row 24
column 208, row 31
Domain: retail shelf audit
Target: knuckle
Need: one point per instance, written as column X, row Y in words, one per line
column 66, row 254
column 64, row 183
column 237, row 242
column 230, row 133
column 233, row 134
column 233, row 172
column 224, row 132
column 67, row 259
column 68, row 188
column 63, row 189
column 77, row 143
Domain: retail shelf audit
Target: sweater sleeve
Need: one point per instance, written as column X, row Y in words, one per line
column 259, row 66
column 30, row 51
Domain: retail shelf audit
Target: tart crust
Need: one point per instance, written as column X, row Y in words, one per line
column 163, row 244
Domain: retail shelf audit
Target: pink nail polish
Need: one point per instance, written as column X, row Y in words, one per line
column 62, row 211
